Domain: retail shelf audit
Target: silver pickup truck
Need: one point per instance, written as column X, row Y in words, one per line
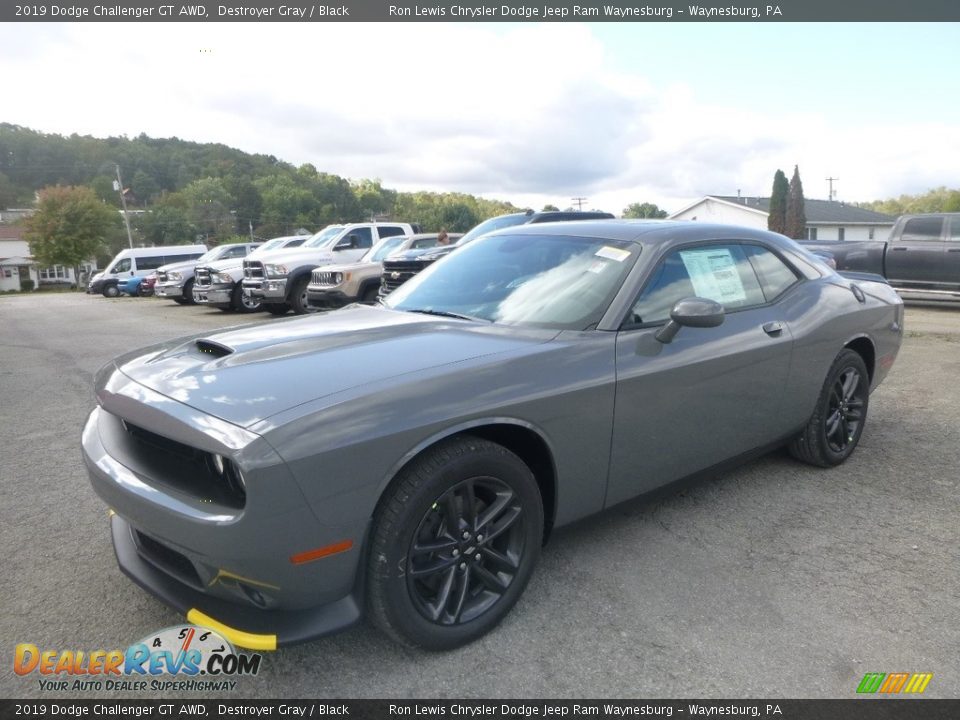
column 921, row 258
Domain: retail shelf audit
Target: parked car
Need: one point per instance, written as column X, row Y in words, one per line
column 403, row 266
column 137, row 262
column 280, row 278
column 175, row 281
column 220, row 283
column 333, row 286
column 410, row 458
column 921, row 258
column 134, row 287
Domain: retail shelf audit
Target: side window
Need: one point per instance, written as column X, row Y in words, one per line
column 122, row 266
column 922, row 229
column 775, row 276
column 424, row 243
column 717, row 272
column 150, row 263
column 364, row 237
column 390, row 231
column 236, row 252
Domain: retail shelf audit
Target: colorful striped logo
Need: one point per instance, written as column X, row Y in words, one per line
column 891, row 683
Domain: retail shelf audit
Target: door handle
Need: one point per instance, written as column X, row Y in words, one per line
column 953, row 249
column 899, row 249
column 773, row 328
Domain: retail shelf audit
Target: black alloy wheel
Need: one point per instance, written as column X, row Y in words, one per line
column 834, row 430
column 466, row 551
column 455, row 539
column 845, row 410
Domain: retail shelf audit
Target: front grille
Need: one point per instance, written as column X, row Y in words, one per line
column 321, row 277
column 201, row 277
column 167, row 559
column 252, row 270
column 397, row 272
column 189, row 469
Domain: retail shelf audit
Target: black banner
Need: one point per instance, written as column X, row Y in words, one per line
column 482, row 11
column 853, row 709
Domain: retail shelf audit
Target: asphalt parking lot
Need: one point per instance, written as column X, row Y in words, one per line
column 773, row 580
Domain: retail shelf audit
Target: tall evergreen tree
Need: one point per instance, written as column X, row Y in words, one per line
column 777, row 219
column 796, row 216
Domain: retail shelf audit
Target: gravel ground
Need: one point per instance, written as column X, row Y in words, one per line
column 775, row 579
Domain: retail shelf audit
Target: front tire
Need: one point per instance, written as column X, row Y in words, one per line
column 454, row 542
column 111, row 291
column 833, row 432
column 188, row 293
column 298, row 297
column 244, row 303
column 277, row 308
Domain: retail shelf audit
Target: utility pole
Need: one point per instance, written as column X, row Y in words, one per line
column 832, row 193
column 123, row 201
column 579, row 202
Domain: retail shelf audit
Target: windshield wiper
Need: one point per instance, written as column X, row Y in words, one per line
column 445, row 313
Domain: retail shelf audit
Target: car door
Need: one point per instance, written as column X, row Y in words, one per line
column 917, row 255
column 951, row 262
column 711, row 393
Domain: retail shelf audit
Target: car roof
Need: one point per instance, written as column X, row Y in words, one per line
column 645, row 232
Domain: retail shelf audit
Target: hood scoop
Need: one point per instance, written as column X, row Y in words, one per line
column 213, row 349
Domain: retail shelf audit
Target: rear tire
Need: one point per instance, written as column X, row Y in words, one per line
column 833, row 432
column 455, row 539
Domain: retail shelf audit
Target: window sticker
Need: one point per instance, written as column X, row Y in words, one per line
column 713, row 272
column 612, row 253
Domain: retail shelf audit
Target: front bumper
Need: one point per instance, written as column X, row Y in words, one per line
column 235, row 565
column 245, row 627
column 168, row 290
column 212, row 295
column 327, row 298
column 269, row 290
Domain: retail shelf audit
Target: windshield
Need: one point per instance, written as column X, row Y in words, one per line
column 492, row 224
column 545, row 280
column 379, row 252
column 209, row 255
column 323, row 236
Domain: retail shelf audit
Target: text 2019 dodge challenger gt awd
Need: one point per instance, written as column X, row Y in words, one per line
column 409, row 459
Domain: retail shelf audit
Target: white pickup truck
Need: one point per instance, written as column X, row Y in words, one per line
column 279, row 279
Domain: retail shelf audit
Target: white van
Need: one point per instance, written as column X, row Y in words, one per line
column 140, row 262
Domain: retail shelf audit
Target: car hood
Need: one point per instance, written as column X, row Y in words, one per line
column 418, row 253
column 179, row 266
column 294, row 257
column 221, row 265
column 246, row 374
column 353, row 267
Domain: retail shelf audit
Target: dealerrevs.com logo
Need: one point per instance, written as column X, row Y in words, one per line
column 182, row 657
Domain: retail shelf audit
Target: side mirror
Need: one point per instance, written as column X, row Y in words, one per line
column 691, row 312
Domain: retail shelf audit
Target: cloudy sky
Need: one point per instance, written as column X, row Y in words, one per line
column 531, row 113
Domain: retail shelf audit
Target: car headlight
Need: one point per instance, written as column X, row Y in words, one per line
column 175, row 276
column 337, row 278
column 221, row 278
column 275, row 270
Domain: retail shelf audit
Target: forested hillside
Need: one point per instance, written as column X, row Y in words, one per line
column 186, row 191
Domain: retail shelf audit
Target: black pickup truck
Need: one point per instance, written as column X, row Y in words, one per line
column 921, row 258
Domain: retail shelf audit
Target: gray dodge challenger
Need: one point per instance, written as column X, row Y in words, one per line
column 408, row 460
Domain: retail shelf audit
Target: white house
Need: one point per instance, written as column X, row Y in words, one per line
column 826, row 219
column 17, row 265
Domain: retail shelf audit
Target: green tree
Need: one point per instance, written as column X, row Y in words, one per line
column 69, row 226
column 167, row 222
column 8, row 193
column 549, row 208
column 777, row 219
column 208, row 207
column 796, row 217
column 643, row 210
